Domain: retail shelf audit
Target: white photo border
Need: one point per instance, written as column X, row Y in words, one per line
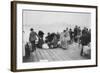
column 39, row 65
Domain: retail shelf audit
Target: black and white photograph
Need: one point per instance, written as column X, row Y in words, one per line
column 53, row 36
column 56, row 36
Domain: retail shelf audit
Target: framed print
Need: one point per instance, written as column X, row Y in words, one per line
column 47, row 36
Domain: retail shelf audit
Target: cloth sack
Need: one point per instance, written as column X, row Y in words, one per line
column 45, row 46
column 86, row 50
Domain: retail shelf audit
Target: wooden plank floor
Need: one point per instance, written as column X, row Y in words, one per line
column 57, row 54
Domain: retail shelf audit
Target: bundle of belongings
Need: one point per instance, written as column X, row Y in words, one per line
column 87, row 51
column 45, row 46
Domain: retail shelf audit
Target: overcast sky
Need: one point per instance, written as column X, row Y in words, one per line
column 54, row 21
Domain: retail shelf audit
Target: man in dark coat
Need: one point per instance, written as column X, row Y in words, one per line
column 32, row 39
column 75, row 33
column 84, row 39
column 40, row 41
column 71, row 35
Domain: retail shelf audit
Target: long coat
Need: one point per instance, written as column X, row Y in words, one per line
column 32, row 36
column 64, row 38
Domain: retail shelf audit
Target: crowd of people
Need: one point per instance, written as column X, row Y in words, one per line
column 58, row 40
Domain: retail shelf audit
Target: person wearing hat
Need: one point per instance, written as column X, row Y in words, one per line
column 32, row 39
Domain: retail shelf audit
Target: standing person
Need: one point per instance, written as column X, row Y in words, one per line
column 79, row 31
column 48, row 39
column 89, row 35
column 75, row 33
column 58, row 35
column 55, row 41
column 41, row 41
column 78, row 35
column 84, row 39
column 62, row 43
column 67, row 37
column 51, row 39
column 64, row 38
column 58, row 39
column 32, row 39
column 71, row 35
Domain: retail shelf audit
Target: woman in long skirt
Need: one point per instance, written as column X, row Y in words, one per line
column 64, row 38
